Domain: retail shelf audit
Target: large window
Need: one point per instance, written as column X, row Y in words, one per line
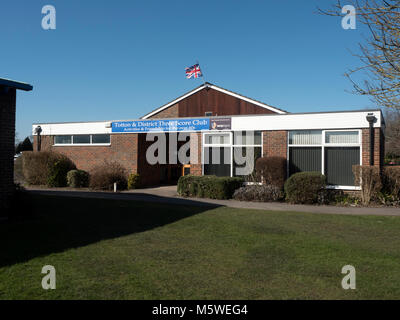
column 231, row 153
column 82, row 139
column 331, row 152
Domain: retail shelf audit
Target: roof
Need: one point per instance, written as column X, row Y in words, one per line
column 213, row 86
column 15, row 84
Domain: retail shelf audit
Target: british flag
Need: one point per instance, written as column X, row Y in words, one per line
column 193, row 71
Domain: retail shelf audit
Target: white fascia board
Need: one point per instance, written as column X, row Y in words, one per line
column 263, row 105
column 331, row 120
column 73, row 128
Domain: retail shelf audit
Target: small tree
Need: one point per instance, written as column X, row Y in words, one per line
column 25, row 145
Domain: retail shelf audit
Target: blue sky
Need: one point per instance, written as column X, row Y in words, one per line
column 121, row 59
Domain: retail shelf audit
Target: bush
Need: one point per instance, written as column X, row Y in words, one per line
column 273, row 170
column 258, row 193
column 105, row 175
column 46, row 168
column 305, row 187
column 133, row 181
column 78, row 179
column 391, row 182
column 368, row 177
column 208, row 186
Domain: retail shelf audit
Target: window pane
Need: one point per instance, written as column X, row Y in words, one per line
column 247, row 138
column 304, row 159
column 341, row 137
column 62, row 140
column 217, row 138
column 307, row 137
column 82, row 139
column 217, row 161
column 244, row 159
column 100, row 138
column 338, row 165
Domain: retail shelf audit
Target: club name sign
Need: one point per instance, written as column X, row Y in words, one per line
column 171, row 125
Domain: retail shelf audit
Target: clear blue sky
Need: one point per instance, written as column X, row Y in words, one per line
column 121, row 59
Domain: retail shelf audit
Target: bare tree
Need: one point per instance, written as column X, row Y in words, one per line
column 392, row 134
column 380, row 52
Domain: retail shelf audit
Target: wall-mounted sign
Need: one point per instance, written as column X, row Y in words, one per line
column 221, row 124
column 161, row 125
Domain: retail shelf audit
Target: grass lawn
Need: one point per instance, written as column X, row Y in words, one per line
column 108, row 249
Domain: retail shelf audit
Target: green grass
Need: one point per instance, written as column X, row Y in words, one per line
column 107, row 249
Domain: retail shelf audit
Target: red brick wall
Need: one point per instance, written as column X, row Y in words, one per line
column 171, row 112
column 378, row 147
column 123, row 149
column 275, row 144
column 7, row 142
column 195, row 154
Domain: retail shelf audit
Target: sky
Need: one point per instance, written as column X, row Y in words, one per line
column 115, row 60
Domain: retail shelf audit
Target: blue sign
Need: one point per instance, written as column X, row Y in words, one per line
column 162, row 125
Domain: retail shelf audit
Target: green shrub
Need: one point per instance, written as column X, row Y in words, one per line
column 258, row 193
column 46, row 168
column 78, row 179
column 305, row 187
column 105, row 175
column 134, row 181
column 208, row 186
column 272, row 169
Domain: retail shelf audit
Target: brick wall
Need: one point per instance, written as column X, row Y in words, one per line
column 275, row 144
column 123, row 148
column 195, row 154
column 171, row 112
column 378, row 147
column 7, row 142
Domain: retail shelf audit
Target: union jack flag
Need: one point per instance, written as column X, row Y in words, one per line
column 193, row 71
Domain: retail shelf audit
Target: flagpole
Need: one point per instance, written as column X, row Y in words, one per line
column 202, row 73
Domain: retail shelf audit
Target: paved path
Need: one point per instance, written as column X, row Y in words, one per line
column 168, row 195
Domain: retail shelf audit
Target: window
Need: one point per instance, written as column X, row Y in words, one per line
column 100, row 138
column 208, row 114
column 331, row 152
column 305, row 137
column 82, row 139
column 231, row 154
column 339, row 137
column 247, row 138
column 62, row 139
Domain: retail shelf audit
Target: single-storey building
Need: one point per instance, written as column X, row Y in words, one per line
column 8, row 93
column 219, row 124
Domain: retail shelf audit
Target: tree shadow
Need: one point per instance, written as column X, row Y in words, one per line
column 53, row 223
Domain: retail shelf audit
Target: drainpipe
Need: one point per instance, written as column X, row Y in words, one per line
column 38, row 130
column 371, row 119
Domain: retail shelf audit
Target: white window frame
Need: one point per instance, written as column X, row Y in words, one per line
column 324, row 145
column 231, row 145
column 91, row 144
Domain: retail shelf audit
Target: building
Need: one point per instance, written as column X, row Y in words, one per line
column 216, row 123
column 8, row 94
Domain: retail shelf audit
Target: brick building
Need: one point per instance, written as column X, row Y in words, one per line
column 8, row 94
column 219, row 128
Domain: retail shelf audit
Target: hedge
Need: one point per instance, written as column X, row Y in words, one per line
column 208, row 186
column 46, row 168
column 305, row 187
column 258, row 193
column 133, row 181
column 273, row 170
column 78, row 179
column 105, row 175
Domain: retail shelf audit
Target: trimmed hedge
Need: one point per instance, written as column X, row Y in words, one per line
column 105, row 175
column 208, row 186
column 46, row 168
column 133, row 181
column 78, row 179
column 261, row 193
column 273, row 170
column 305, row 187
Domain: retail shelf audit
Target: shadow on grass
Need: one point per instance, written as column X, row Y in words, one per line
column 54, row 223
